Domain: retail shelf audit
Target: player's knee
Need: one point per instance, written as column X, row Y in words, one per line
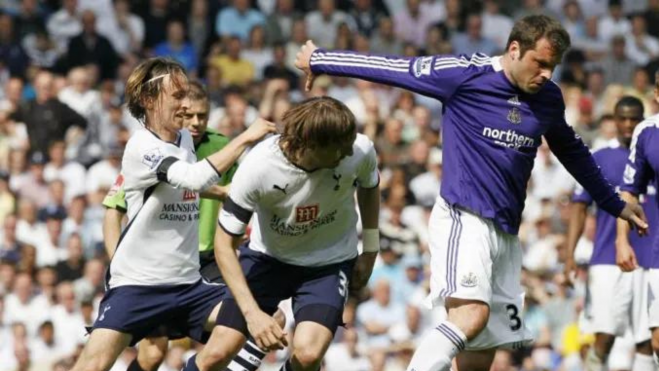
column 151, row 356
column 470, row 316
column 308, row 358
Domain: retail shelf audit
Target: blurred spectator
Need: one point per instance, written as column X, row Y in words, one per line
column 346, row 355
column 384, row 41
column 614, row 23
column 178, row 48
column 128, row 31
column 607, row 132
column 298, row 38
column 92, row 281
column 199, row 28
column 33, row 186
column 23, row 305
column 64, row 24
column 652, row 17
column 29, row 19
column 155, row 22
column 45, row 350
column 71, row 268
column 322, row 24
column 90, row 47
column 590, row 42
column 10, row 248
column 257, row 51
column 45, row 117
column 391, row 146
column 376, row 316
column 549, row 177
column 496, row 25
column 411, row 24
column 279, row 24
column 13, row 93
column 237, row 20
column 234, row 69
column 640, row 46
column 559, row 310
column 573, row 20
column 12, row 54
column 79, row 94
column 70, row 172
column 278, row 68
column 7, row 198
column 67, row 319
column 102, row 174
column 617, row 66
column 472, row 40
column 367, row 16
column 40, row 49
column 55, row 206
column 533, row 7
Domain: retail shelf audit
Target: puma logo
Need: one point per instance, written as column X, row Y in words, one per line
column 282, row 190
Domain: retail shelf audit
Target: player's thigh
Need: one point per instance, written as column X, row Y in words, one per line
column 311, row 341
column 653, row 312
column 639, row 313
column 506, row 326
column 480, row 360
column 102, row 350
column 609, row 299
column 461, row 246
column 321, row 294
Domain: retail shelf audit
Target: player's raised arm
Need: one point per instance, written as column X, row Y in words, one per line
column 435, row 76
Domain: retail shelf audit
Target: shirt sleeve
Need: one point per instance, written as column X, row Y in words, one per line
column 577, row 159
column 243, row 197
column 434, row 76
column 141, row 161
column 638, row 172
column 116, row 197
column 368, row 176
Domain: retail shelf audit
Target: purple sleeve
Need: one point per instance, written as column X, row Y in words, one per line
column 581, row 195
column 434, row 76
column 575, row 156
column 638, row 172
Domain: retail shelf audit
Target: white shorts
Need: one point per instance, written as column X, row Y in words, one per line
column 617, row 301
column 653, row 298
column 471, row 259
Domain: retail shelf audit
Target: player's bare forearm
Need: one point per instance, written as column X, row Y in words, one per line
column 578, row 212
column 227, row 261
column 623, row 227
column 369, row 206
column 215, row 192
column 111, row 230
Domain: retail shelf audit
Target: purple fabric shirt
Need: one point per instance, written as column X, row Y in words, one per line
column 642, row 168
column 612, row 161
column 491, row 129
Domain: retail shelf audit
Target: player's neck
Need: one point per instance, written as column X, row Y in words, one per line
column 298, row 160
column 506, row 60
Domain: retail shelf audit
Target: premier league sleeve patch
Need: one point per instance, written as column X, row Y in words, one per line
column 422, row 66
column 152, row 158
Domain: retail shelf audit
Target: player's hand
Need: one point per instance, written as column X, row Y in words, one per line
column 569, row 271
column 303, row 62
column 362, row 271
column 266, row 331
column 625, row 256
column 259, row 129
column 633, row 213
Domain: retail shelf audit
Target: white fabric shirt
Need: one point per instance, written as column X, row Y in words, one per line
column 86, row 104
column 302, row 218
column 72, row 174
column 159, row 245
column 63, row 26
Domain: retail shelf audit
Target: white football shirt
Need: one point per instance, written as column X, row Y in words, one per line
column 302, row 218
column 160, row 243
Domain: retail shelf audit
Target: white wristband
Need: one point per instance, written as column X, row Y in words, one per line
column 371, row 240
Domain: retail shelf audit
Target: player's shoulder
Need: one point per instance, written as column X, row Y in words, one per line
column 647, row 127
column 264, row 153
column 474, row 63
column 363, row 142
column 216, row 138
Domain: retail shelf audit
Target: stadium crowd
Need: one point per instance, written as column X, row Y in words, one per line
column 63, row 127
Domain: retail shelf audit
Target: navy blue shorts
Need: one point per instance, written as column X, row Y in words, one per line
column 319, row 293
column 143, row 310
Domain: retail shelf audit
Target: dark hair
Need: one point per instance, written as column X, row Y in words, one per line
column 146, row 83
column 528, row 30
column 629, row 101
column 314, row 123
column 197, row 91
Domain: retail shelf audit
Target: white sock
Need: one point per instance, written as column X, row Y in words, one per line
column 438, row 348
column 593, row 361
column 643, row 362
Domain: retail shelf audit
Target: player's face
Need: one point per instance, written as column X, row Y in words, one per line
column 330, row 156
column 173, row 102
column 627, row 117
column 196, row 118
column 532, row 71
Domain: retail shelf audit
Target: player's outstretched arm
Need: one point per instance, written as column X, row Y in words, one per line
column 436, row 76
column 264, row 329
column 578, row 213
column 203, row 174
column 369, row 210
column 625, row 257
column 216, row 192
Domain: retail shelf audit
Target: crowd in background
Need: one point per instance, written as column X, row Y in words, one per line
column 63, row 127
